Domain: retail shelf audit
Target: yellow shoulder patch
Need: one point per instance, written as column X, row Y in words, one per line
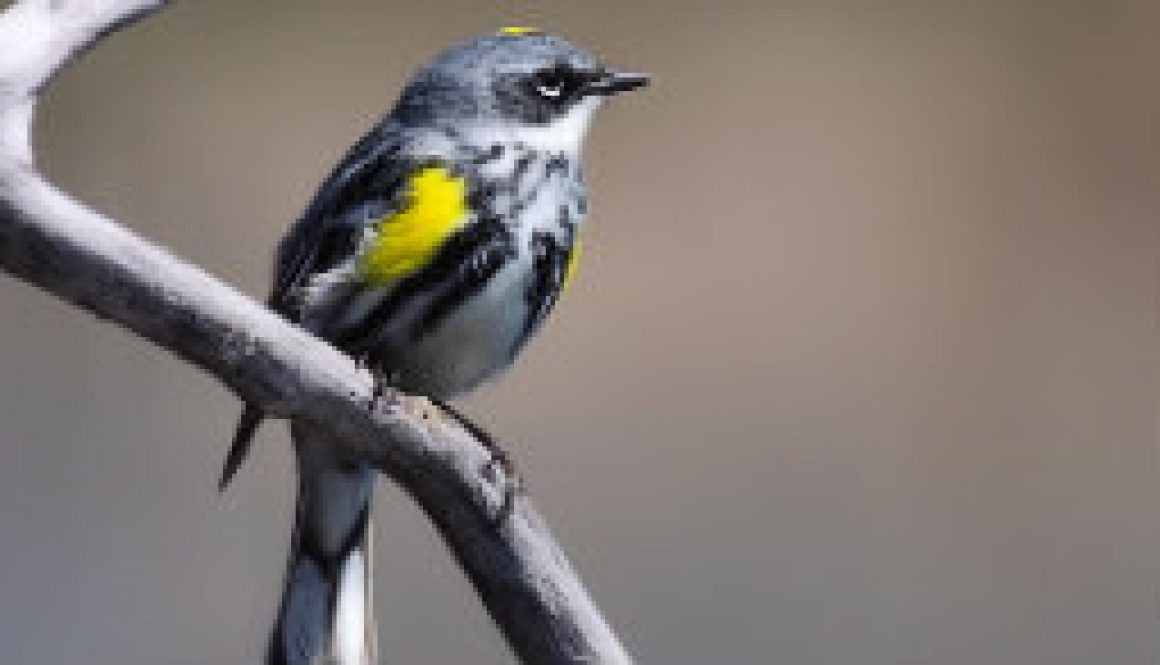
column 519, row 31
column 406, row 240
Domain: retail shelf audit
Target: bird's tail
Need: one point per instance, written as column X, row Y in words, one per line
column 325, row 613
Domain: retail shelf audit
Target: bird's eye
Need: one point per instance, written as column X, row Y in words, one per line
column 555, row 84
column 550, row 90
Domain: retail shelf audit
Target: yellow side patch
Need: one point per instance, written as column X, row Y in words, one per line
column 519, row 31
column 405, row 241
column 573, row 260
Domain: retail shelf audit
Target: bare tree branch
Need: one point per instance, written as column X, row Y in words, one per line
column 56, row 243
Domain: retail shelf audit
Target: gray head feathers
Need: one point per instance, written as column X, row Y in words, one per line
column 512, row 79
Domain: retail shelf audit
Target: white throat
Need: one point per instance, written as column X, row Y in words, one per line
column 564, row 134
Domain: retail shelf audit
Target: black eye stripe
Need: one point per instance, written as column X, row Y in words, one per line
column 541, row 95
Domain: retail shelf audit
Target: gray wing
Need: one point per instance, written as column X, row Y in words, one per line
column 362, row 187
column 368, row 179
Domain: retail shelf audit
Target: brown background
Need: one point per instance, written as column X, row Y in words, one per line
column 862, row 364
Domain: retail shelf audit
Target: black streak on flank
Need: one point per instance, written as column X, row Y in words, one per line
column 467, row 257
column 549, row 263
column 484, row 261
column 566, row 223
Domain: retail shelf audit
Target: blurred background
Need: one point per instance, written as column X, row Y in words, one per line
column 862, row 364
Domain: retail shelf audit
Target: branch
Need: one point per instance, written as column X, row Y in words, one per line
column 50, row 240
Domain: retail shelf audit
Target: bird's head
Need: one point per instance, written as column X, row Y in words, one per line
column 521, row 84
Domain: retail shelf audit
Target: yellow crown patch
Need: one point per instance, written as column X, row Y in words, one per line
column 518, row 31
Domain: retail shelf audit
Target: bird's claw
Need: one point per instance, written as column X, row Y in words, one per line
column 383, row 394
column 499, row 459
column 513, row 483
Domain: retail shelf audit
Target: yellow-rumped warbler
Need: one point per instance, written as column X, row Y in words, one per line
column 432, row 253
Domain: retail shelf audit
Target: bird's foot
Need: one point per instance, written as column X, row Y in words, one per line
column 500, row 459
column 383, row 394
column 513, row 481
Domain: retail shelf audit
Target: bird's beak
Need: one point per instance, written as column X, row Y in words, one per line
column 611, row 82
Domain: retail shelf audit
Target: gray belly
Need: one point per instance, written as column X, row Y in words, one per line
column 472, row 344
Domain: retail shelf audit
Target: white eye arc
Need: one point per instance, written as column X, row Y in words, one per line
column 550, row 90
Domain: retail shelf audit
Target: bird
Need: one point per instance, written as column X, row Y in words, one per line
column 432, row 253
